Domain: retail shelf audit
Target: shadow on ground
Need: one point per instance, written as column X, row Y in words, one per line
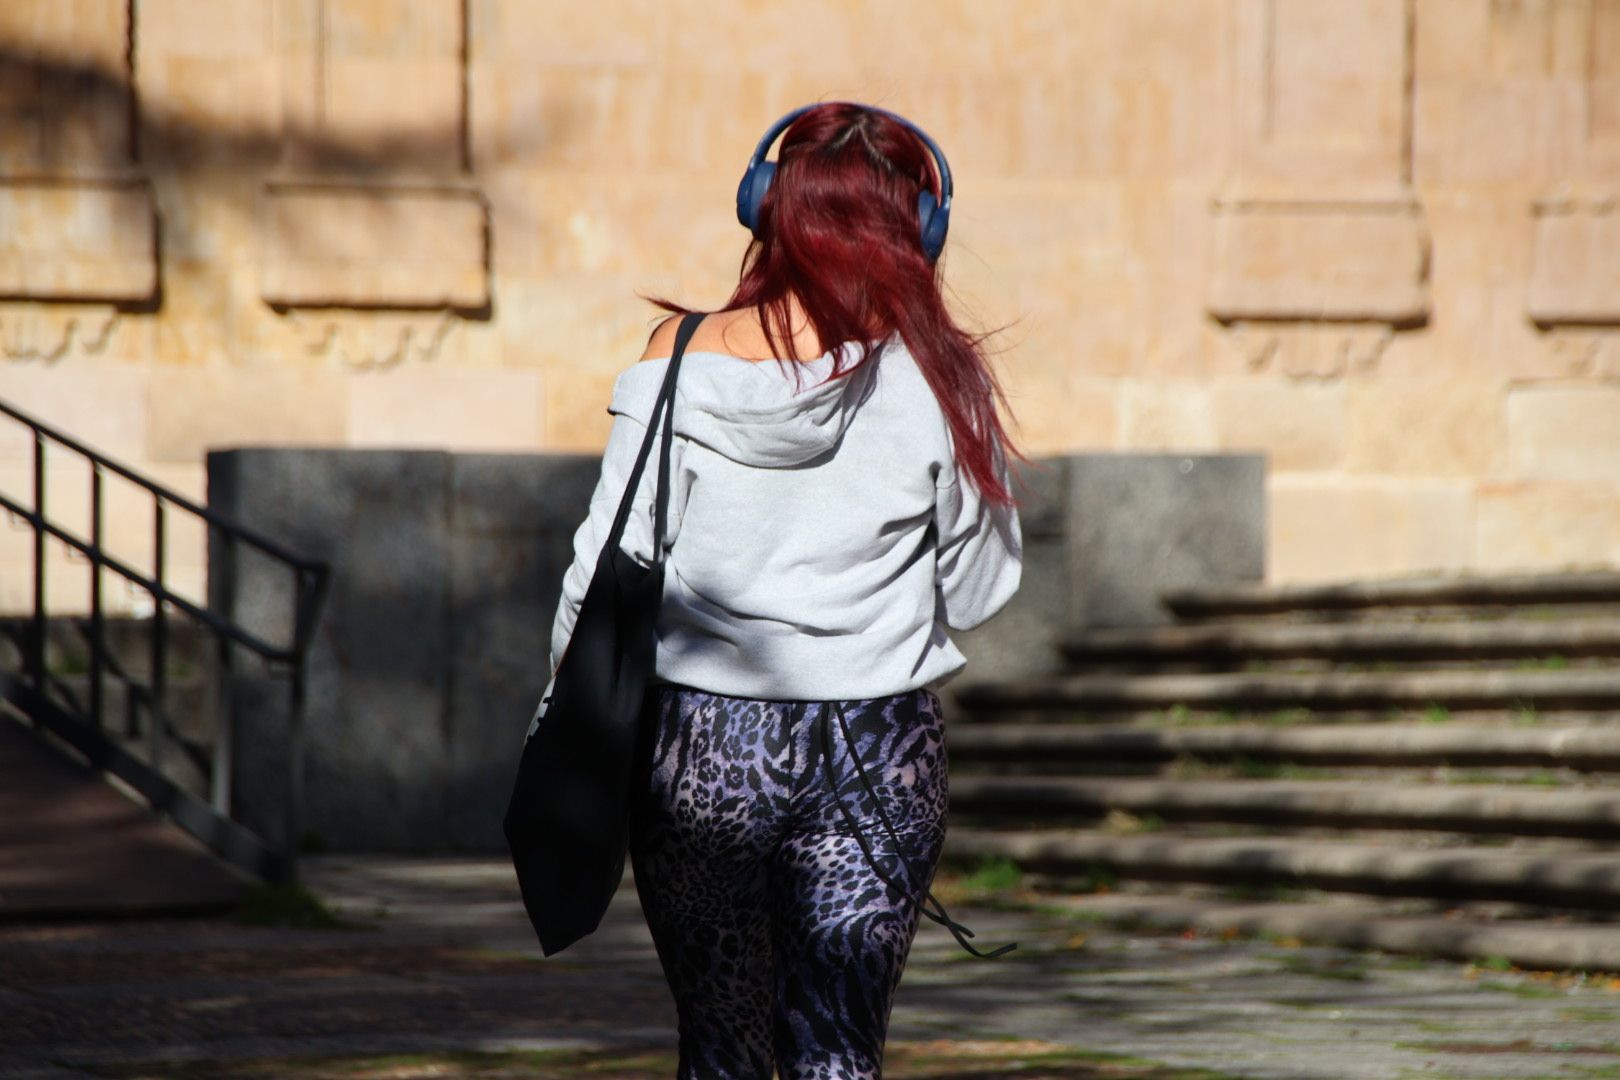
column 939, row 1060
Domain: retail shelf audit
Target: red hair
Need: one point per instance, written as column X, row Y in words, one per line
column 838, row 229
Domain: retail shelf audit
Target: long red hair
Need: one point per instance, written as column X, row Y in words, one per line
column 838, row 230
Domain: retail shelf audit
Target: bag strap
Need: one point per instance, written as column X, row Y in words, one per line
column 663, row 409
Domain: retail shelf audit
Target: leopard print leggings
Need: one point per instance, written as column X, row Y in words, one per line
column 782, row 930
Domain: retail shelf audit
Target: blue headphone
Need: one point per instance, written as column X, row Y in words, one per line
column 933, row 215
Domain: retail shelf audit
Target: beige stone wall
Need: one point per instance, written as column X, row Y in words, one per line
column 1378, row 240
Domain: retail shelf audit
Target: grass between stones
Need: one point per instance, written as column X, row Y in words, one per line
column 291, row 906
column 935, row 1060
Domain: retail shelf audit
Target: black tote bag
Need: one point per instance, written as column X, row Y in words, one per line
column 567, row 824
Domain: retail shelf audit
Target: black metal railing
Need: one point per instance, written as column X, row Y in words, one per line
column 46, row 697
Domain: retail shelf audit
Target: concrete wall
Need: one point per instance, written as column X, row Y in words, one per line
column 433, row 648
column 1376, row 239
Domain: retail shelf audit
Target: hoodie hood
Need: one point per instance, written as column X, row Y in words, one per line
column 751, row 411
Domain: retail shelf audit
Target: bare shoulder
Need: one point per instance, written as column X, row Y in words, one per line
column 662, row 341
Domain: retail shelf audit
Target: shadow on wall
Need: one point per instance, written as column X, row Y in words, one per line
column 435, row 643
column 79, row 126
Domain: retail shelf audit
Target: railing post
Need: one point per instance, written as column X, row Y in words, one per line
column 311, row 588
column 160, row 639
column 36, row 644
column 295, row 767
column 224, row 727
column 98, row 625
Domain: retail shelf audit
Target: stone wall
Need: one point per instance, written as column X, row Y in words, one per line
column 433, row 647
column 1377, row 241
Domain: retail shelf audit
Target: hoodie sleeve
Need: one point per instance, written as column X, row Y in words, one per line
column 618, row 458
column 980, row 552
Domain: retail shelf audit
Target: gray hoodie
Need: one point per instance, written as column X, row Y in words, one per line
column 821, row 537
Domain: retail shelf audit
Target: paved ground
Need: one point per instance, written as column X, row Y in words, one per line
column 446, row 972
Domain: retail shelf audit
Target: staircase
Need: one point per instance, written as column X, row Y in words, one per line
column 117, row 735
column 1427, row 765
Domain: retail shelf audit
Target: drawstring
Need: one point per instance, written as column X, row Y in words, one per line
column 959, row 931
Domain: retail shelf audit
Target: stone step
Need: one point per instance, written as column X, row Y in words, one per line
column 1455, row 690
column 1495, row 809
column 1561, row 879
column 1363, row 642
column 1583, row 588
column 1530, row 944
column 1583, row 746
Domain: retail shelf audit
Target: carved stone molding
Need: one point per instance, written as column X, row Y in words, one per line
column 47, row 334
column 1587, row 352
column 374, row 340
column 1310, row 352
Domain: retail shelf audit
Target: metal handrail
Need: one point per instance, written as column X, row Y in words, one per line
column 159, row 592
column 311, row 578
column 213, row 517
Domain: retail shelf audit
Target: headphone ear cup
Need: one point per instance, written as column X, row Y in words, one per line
column 751, row 193
column 932, row 222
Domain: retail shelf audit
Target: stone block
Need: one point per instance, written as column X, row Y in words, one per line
column 613, row 33
column 1451, row 39
column 376, row 769
column 78, row 240
column 219, row 29
column 1333, row 528
column 576, row 416
column 452, row 408
column 1321, row 91
column 202, row 96
column 65, row 107
column 374, row 247
column 583, row 322
column 1564, row 432
column 1020, row 640
column 1320, row 260
column 195, row 408
column 126, row 536
column 1575, row 271
column 196, row 328
column 127, row 517
column 512, row 521
column 553, row 118
column 1297, row 424
column 101, row 405
column 1054, row 412
column 1166, row 414
column 1426, row 427
column 1484, row 132
column 1546, row 526
column 1140, row 524
column 393, row 27
column 564, row 225
column 367, row 111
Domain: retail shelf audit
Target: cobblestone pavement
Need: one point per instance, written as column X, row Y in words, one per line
column 444, row 961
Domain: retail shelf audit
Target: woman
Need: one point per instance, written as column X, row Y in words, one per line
column 839, row 497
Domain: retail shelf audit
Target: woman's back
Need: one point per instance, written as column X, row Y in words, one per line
column 819, row 530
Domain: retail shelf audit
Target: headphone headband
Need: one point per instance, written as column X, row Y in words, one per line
column 933, row 214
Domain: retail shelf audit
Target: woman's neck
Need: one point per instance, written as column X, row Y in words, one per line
column 739, row 333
